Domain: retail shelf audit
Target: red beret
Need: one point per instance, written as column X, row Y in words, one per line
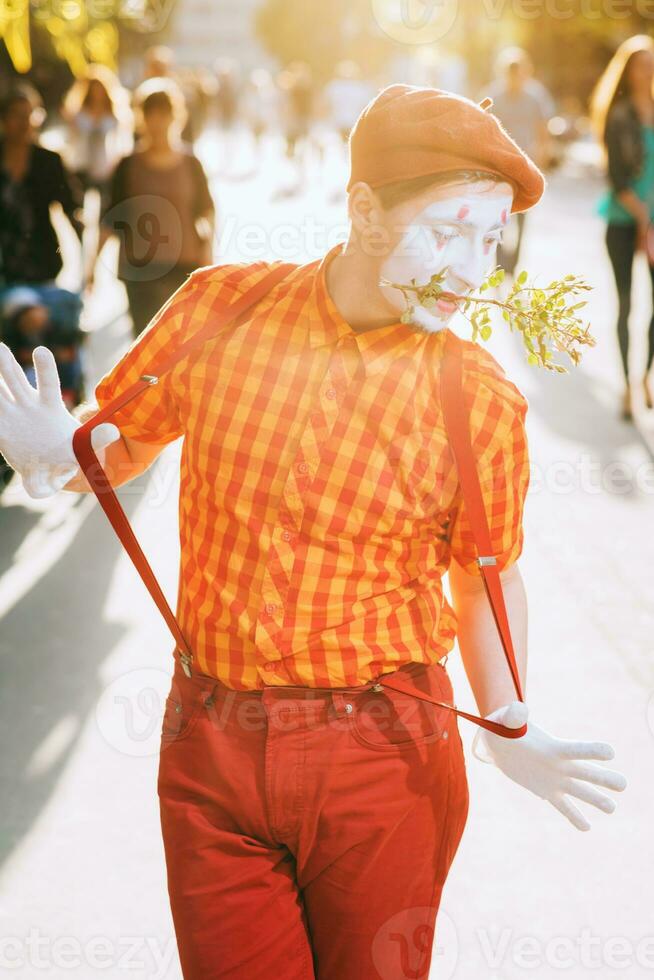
column 407, row 131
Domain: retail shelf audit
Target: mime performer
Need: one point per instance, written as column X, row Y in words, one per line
column 309, row 818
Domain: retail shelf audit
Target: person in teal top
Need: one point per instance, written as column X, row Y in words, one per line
column 622, row 115
column 610, row 208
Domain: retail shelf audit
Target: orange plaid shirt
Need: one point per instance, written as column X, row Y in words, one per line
column 319, row 502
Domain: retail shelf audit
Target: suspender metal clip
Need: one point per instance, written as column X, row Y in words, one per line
column 486, row 560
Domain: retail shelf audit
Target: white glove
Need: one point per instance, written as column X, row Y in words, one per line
column 36, row 428
column 548, row 766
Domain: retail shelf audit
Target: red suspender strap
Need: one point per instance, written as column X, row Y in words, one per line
column 96, row 476
column 456, row 415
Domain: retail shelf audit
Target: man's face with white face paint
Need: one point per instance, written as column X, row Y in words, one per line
column 456, row 225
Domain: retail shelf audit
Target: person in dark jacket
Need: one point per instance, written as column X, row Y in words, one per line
column 622, row 113
column 31, row 179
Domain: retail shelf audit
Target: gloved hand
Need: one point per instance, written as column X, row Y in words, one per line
column 36, row 428
column 549, row 766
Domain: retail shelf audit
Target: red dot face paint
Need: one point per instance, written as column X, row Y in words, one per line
column 463, row 212
column 504, row 216
column 440, row 244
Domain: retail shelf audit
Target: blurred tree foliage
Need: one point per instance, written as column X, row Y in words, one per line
column 570, row 41
column 570, row 53
column 63, row 38
column 322, row 34
column 76, row 32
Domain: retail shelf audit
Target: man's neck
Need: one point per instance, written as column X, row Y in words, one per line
column 353, row 290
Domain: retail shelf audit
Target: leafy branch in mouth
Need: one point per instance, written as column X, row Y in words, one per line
column 546, row 317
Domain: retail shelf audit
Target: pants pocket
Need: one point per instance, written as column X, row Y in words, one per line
column 392, row 721
column 180, row 716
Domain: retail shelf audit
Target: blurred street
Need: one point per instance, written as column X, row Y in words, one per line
column 79, row 835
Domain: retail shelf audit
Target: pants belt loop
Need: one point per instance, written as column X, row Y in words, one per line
column 209, row 700
column 339, row 701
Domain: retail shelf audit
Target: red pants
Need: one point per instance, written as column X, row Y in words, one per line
column 307, row 832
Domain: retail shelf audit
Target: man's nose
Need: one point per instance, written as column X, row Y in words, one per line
column 468, row 272
column 462, row 281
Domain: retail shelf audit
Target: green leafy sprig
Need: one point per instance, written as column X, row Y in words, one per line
column 546, row 317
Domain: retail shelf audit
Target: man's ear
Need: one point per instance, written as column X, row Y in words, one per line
column 363, row 207
column 369, row 221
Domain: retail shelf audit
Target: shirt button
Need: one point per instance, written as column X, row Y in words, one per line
column 330, row 393
column 270, row 608
column 302, row 468
column 269, row 666
column 286, row 535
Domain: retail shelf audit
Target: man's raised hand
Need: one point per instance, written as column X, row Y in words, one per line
column 36, row 428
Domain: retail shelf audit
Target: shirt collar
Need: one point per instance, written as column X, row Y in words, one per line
column 378, row 348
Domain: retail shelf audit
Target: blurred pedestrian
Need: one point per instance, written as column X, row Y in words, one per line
column 160, row 62
column 159, row 204
column 524, row 106
column 31, row 179
column 260, row 106
column 337, row 107
column 347, row 93
column 226, row 93
column 622, row 116
column 298, row 97
column 97, row 112
column 198, row 88
column 227, row 104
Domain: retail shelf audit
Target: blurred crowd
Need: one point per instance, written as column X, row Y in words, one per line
column 133, row 150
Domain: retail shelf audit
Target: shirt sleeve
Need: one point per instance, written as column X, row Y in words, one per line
column 499, row 441
column 154, row 415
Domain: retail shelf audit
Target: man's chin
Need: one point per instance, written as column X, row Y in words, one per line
column 428, row 322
